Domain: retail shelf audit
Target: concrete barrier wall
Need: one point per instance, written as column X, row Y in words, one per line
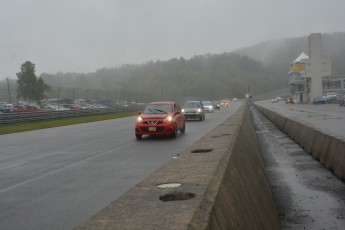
column 222, row 186
column 327, row 148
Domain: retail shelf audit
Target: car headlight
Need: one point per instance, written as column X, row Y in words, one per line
column 168, row 119
column 139, row 119
column 199, row 110
column 182, row 110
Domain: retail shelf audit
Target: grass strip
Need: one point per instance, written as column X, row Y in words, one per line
column 43, row 124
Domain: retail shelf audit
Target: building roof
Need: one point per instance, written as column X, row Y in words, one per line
column 300, row 57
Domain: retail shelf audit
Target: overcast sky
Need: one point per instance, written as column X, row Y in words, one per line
column 86, row 35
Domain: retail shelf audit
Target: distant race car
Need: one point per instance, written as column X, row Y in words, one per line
column 274, row 100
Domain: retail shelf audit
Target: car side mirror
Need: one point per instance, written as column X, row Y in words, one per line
column 139, row 113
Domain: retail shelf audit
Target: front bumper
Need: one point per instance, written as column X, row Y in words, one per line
column 208, row 110
column 192, row 116
column 144, row 129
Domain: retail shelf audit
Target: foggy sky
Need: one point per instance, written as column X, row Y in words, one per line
column 86, row 35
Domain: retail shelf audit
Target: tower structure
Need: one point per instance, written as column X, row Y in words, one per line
column 308, row 74
column 314, row 67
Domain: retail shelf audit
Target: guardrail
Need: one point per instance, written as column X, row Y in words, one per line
column 9, row 118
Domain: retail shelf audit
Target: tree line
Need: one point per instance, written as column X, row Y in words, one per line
column 258, row 69
column 216, row 76
column 206, row 77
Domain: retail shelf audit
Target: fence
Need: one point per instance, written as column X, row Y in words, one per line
column 98, row 95
column 8, row 118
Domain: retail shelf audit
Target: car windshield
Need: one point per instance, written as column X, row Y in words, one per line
column 207, row 103
column 192, row 104
column 158, row 108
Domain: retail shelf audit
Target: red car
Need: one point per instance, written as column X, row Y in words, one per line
column 160, row 118
column 20, row 108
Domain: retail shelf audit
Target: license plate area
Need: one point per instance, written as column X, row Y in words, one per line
column 152, row 129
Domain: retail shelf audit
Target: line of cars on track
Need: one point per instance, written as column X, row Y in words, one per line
column 48, row 105
column 332, row 98
column 20, row 108
column 167, row 118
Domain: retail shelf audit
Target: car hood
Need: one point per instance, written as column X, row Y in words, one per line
column 154, row 116
column 190, row 109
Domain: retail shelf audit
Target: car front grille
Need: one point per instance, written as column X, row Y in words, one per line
column 153, row 122
column 158, row 129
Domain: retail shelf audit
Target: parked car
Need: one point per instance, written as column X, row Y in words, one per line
column 72, row 106
column 34, row 108
column 193, row 110
column 163, row 118
column 275, row 100
column 319, row 100
column 6, row 108
column 20, row 109
column 208, row 107
column 330, row 96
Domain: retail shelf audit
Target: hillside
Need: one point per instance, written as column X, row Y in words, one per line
column 259, row 68
column 281, row 52
column 206, row 76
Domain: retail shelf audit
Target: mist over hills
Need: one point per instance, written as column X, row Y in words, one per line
column 260, row 68
column 281, row 52
column 215, row 76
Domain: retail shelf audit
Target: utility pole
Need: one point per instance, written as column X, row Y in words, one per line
column 9, row 91
column 86, row 95
column 97, row 96
column 73, row 95
column 59, row 98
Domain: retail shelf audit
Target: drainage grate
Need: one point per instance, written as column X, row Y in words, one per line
column 201, row 150
column 175, row 196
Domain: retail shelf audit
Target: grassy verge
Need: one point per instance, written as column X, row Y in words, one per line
column 33, row 125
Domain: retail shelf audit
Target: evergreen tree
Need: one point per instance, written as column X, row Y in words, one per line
column 29, row 86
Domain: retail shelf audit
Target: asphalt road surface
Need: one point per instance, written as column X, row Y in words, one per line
column 57, row 178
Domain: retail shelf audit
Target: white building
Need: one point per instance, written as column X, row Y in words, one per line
column 310, row 75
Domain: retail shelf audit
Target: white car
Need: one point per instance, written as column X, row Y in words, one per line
column 208, row 107
column 331, row 96
column 193, row 110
